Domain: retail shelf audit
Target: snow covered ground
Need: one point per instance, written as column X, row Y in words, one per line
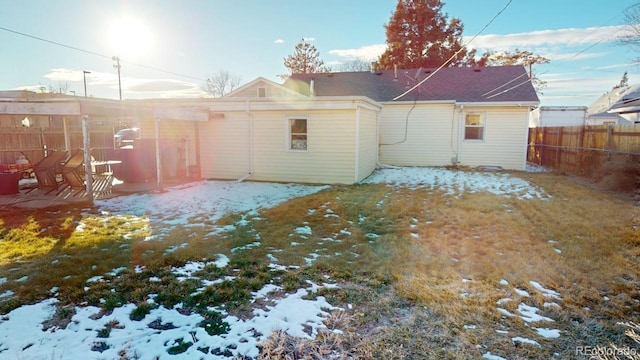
column 21, row 331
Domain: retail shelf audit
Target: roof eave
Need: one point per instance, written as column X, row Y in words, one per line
column 499, row 103
column 625, row 110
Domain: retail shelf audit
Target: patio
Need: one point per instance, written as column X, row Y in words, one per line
column 29, row 196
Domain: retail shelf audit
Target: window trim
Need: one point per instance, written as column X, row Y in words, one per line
column 290, row 134
column 483, row 126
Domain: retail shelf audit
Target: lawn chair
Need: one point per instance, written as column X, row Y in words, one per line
column 73, row 171
column 47, row 169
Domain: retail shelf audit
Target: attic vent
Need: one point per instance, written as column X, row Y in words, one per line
column 477, row 70
column 427, row 71
column 262, row 92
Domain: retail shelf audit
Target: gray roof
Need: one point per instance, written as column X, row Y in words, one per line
column 609, row 100
column 460, row 84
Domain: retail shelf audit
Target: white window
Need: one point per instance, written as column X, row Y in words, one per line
column 262, row 92
column 474, row 126
column 297, row 134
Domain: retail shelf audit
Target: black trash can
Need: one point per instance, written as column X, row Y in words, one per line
column 9, row 183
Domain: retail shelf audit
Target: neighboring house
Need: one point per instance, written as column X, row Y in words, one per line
column 549, row 116
column 607, row 109
column 458, row 115
column 628, row 108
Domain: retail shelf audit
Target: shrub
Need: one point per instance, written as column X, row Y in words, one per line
column 620, row 172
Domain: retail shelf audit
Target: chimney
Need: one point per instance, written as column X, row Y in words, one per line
column 374, row 67
column 395, row 72
column 312, row 87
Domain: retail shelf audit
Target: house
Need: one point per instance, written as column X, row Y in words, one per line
column 268, row 132
column 549, row 116
column 436, row 117
column 332, row 128
column 612, row 108
column 628, row 107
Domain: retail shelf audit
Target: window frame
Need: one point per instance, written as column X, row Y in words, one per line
column 482, row 126
column 290, row 133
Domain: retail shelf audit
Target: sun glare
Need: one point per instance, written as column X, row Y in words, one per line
column 129, row 37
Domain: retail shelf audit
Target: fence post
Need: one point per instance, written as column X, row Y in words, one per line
column 559, row 148
column 580, row 154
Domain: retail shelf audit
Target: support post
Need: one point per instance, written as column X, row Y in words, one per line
column 86, row 143
column 65, row 130
column 158, row 157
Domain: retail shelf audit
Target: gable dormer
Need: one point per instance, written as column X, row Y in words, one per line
column 262, row 88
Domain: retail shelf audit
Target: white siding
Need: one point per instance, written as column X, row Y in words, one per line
column 224, row 145
column 432, row 136
column 505, row 139
column 368, row 144
column 429, row 139
column 330, row 155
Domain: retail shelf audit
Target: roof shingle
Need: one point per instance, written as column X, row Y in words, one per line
column 461, row 84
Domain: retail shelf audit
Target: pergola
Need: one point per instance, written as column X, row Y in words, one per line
column 88, row 108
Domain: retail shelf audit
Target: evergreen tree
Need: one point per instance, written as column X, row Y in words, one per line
column 305, row 60
column 420, row 35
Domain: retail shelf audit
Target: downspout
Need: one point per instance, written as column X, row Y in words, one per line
column 378, row 138
column 357, row 141
column 460, row 135
column 378, row 164
column 248, row 111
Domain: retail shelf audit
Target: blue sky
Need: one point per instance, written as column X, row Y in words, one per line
column 187, row 41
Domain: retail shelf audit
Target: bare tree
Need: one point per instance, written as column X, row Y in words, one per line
column 631, row 37
column 354, row 65
column 222, row 83
column 519, row 57
column 62, row 88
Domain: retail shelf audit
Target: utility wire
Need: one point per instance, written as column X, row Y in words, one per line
column 463, row 47
column 554, row 66
column 97, row 54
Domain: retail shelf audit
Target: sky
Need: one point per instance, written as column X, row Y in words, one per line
column 169, row 48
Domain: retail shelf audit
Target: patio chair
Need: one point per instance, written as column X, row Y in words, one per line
column 47, row 169
column 73, row 171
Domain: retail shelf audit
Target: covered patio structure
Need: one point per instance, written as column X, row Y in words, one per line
column 33, row 125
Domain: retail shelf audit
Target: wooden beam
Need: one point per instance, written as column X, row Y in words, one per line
column 175, row 113
column 40, row 108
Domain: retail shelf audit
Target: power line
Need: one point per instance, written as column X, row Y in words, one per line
column 97, row 54
column 554, row 65
column 54, row 43
column 463, row 47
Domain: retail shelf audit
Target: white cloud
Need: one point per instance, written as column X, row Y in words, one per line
column 308, row 39
column 64, row 75
column 566, row 37
column 279, row 41
column 158, row 85
column 364, row 53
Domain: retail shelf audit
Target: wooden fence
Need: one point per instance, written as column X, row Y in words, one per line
column 580, row 149
column 33, row 142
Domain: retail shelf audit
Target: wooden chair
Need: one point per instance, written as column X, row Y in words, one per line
column 47, row 169
column 73, row 171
